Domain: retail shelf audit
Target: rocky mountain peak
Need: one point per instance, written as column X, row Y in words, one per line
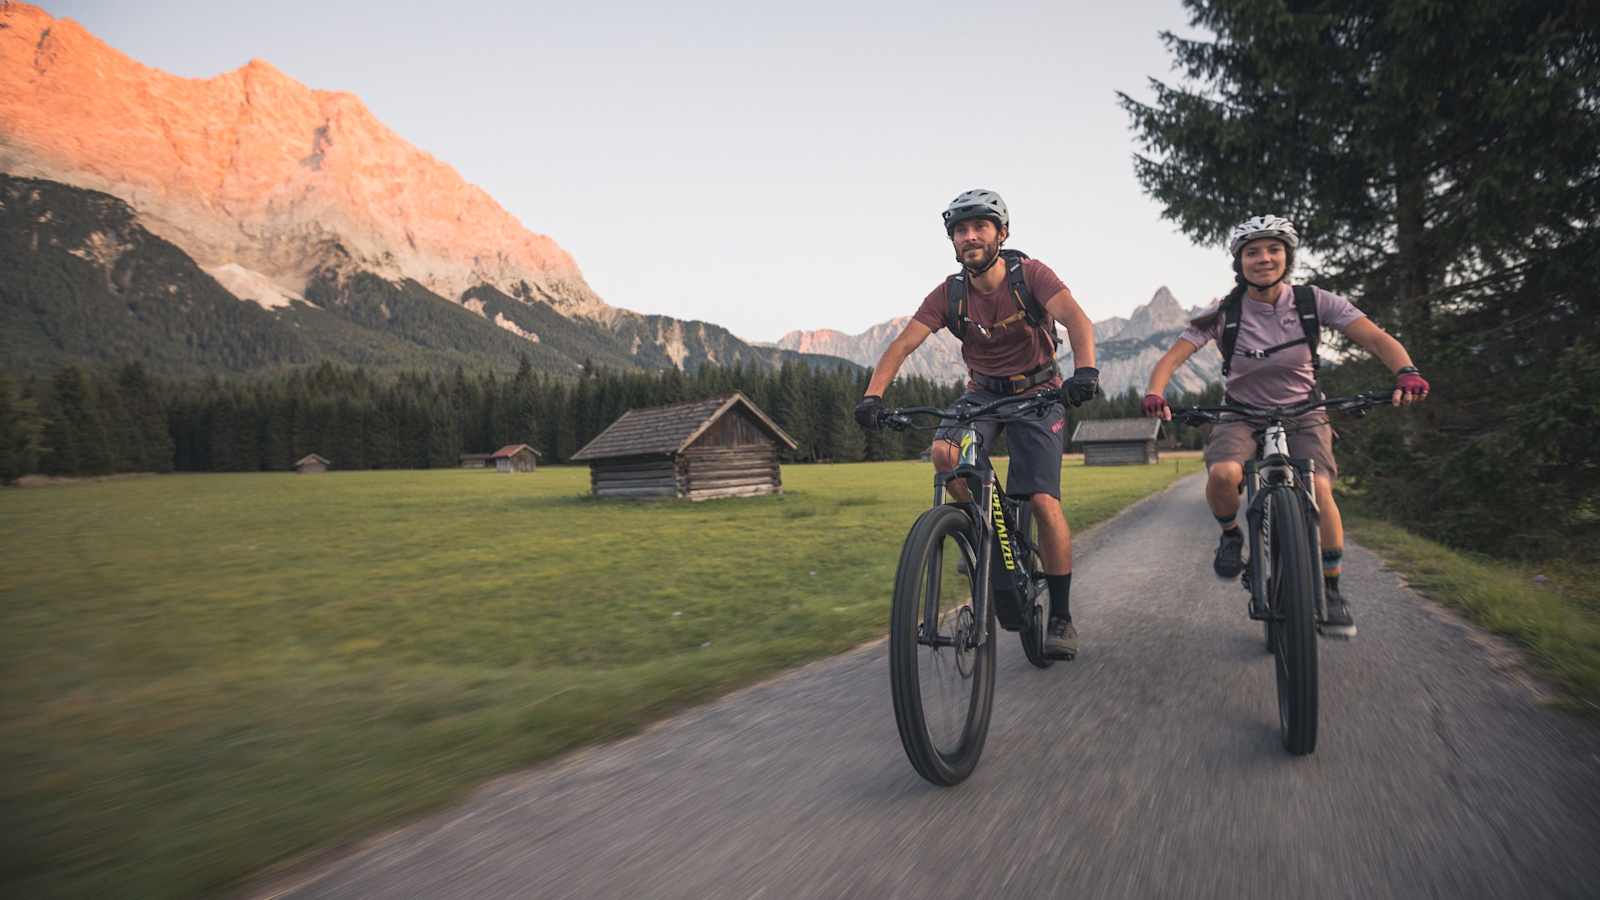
column 253, row 170
column 1162, row 313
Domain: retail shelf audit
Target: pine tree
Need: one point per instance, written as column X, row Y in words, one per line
column 1442, row 161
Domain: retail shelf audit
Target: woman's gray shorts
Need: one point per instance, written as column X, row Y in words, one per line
column 1310, row 437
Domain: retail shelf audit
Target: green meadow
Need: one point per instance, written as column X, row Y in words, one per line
column 208, row 675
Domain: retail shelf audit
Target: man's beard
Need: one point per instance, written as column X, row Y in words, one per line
column 991, row 252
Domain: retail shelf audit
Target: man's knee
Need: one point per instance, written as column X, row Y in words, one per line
column 1046, row 506
column 945, row 455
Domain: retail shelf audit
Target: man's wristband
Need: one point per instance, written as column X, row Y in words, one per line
column 1407, row 370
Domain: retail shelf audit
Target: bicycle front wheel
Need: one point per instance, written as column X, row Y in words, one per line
column 942, row 677
column 1291, row 596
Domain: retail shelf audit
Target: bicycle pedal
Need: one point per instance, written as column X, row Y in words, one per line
column 1336, row 632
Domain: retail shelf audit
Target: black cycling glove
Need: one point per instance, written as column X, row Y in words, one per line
column 1083, row 385
column 869, row 412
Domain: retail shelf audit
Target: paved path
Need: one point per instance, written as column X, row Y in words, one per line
column 1150, row 767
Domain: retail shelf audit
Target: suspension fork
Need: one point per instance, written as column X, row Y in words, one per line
column 980, row 483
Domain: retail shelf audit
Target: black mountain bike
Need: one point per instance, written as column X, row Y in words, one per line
column 965, row 565
column 1284, row 573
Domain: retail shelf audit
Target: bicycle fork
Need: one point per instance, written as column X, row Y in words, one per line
column 980, row 484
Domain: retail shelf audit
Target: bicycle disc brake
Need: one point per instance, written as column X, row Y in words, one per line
column 965, row 639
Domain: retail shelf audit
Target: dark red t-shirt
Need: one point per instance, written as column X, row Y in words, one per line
column 1013, row 349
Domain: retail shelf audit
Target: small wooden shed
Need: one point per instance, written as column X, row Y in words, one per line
column 1118, row 442
column 515, row 458
column 311, row 464
column 724, row 447
column 477, row 460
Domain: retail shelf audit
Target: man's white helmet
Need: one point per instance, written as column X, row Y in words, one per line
column 976, row 204
column 1257, row 227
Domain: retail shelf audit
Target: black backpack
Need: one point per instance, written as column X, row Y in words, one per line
column 1305, row 306
column 1031, row 310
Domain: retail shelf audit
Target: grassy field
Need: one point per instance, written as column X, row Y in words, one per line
column 1551, row 610
column 205, row 675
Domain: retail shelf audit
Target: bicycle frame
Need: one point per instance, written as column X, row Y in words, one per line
column 997, row 520
column 1273, row 473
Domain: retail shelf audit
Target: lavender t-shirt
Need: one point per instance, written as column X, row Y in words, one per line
column 1286, row 376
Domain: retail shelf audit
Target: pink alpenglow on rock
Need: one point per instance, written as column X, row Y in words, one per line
column 255, row 170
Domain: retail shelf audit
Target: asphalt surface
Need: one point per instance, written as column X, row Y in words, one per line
column 1149, row 767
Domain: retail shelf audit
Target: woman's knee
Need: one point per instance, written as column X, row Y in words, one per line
column 1226, row 474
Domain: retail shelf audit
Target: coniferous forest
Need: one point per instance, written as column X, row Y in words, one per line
column 80, row 421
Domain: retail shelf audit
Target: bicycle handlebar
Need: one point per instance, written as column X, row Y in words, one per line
column 900, row 419
column 1234, row 412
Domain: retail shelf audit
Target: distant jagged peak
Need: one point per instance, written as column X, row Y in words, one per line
column 253, row 168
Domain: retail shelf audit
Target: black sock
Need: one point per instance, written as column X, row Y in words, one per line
column 1060, row 596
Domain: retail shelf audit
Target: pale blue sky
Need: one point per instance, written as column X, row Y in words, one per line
column 763, row 169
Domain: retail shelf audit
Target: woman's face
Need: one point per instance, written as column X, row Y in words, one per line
column 1264, row 260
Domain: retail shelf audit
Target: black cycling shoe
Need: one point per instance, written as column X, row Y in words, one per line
column 1338, row 623
column 1060, row 639
column 1229, row 561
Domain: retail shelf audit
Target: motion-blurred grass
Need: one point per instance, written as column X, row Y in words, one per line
column 1551, row 609
column 205, row 675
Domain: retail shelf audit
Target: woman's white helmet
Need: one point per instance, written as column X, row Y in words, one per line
column 1257, row 227
column 976, row 204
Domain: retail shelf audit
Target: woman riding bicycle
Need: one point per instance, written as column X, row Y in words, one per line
column 1273, row 363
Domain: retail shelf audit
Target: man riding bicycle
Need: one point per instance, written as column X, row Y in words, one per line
column 1267, row 330
column 1008, row 341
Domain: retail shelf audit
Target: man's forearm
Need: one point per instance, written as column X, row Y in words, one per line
column 888, row 366
column 1080, row 333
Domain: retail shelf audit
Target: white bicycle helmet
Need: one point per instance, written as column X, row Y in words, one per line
column 976, row 204
column 1257, row 227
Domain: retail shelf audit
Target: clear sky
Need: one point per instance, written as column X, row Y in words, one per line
column 766, row 169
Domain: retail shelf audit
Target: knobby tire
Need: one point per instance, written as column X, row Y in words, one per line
column 941, row 527
column 1291, row 591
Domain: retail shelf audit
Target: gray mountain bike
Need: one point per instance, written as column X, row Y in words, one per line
column 1283, row 573
column 965, row 566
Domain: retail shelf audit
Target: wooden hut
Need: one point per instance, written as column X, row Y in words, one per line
column 1118, row 442
column 724, row 447
column 515, row 458
column 477, row 460
column 311, row 464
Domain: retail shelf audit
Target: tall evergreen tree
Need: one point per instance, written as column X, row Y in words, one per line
column 1443, row 163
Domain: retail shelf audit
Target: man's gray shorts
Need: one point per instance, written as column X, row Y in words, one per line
column 1036, row 445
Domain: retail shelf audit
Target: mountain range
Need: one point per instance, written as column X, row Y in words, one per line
column 138, row 204
column 247, row 221
column 1126, row 349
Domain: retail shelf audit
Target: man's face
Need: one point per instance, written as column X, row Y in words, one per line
column 1263, row 260
column 976, row 241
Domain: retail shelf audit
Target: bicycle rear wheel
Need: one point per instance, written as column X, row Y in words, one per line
column 942, row 679
column 1038, row 615
column 1291, row 594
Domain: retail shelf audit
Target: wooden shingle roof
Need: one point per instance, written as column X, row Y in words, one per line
column 1104, row 430
column 313, row 458
column 511, row 450
column 666, row 430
